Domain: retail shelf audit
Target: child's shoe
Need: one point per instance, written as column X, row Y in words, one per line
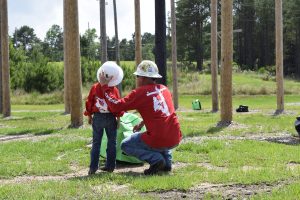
column 107, row 169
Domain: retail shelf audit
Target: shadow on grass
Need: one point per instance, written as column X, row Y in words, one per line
column 214, row 129
column 219, row 127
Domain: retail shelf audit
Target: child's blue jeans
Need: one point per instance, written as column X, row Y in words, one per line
column 108, row 122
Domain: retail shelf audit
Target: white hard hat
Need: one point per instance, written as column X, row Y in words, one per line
column 147, row 68
column 111, row 69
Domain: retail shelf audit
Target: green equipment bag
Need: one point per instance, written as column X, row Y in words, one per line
column 127, row 122
column 196, row 105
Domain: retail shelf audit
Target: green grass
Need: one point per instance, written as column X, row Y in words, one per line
column 37, row 122
column 248, row 83
column 288, row 192
column 230, row 161
column 53, row 149
column 72, row 189
column 43, row 157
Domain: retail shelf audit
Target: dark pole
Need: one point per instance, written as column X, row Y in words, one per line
column 160, row 39
column 117, row 47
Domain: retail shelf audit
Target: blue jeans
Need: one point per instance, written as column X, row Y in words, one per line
column 134, row 146
column 108, row 122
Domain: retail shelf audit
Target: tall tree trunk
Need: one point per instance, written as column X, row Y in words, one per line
column 138, row 40
column 103, row 32
column 279, row 56
column 214, row 56
column 174, row 54
column 66, row 63
column 226, row 59
column 117, row 46
column 72, row 43
column 160, row 39
column 5, row 59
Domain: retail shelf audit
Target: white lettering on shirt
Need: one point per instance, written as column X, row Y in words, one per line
column 101, row 105
column 159, row 102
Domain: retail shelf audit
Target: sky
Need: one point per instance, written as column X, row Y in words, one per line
column 42, row 14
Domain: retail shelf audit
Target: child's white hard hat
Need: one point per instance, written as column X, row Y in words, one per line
column 111, row 69
column 147, row 68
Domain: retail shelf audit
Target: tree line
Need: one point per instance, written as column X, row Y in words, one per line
column 254, row 46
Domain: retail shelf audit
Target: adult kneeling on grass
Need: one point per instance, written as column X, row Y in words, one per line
column 154, row 103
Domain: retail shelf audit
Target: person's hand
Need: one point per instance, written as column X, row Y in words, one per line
column 90, row 120
column 138, row 127
column 104, row 80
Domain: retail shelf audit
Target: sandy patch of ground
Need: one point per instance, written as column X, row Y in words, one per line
column 283, row 138
column 9, row 138
column 224, row 191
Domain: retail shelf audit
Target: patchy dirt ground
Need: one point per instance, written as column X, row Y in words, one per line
column 224, row 191
column 283, row 138
column 229, row 191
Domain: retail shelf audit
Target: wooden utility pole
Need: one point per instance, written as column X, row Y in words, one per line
column 1, row 90
column 138, row 40
column 214, row 55
column 174, row 54
column 103, row 32
column 73, row 58
column 226, row 61
column 279, row 56
column 6, row 107
column 117, row 46
column 138, row 37
column 160, row 39
column 66, row 63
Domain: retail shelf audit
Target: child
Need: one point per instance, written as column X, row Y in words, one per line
column 100, row 117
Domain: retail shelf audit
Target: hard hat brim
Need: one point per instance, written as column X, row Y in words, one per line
column 147, row 75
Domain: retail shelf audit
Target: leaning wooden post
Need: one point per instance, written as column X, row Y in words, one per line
column 214, row 56
column 73, row 53
column 226, row 61
column 174, row 54
column 5, row 59
column 279, row 56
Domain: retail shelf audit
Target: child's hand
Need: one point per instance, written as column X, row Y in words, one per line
column 104, row 80
column 90, row 120
column 138, row 127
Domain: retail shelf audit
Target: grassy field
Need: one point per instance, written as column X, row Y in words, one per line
column 256, row 157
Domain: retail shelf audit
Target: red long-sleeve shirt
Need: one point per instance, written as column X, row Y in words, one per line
column 95, row 102
column 154, row 103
